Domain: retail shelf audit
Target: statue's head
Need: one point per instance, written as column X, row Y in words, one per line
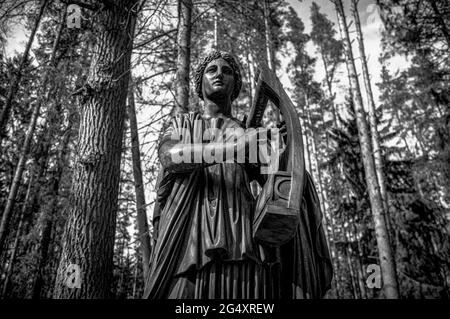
column 219, row 57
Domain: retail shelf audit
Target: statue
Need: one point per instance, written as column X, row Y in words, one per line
column 214, row 240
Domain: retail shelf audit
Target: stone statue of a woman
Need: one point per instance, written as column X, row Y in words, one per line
column 204, row 245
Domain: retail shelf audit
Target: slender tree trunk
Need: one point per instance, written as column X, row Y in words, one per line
column 308, row 153
column 360, row 267
column 441, row 21
column 389, row 276
column 27, row 142
column 216, row 27
column 268, row 36
column 328, row 218
column 47, row 217
column 373, row 123
column 88, row 240
column 5, row 113
column 270, row 54
column 349, row 255
column 351, row 272
column 183, row 55
column 135, row 278
column 17, row 235
column 142, row 223
column 334, row 251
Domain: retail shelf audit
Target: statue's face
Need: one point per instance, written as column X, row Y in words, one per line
column 218, row 80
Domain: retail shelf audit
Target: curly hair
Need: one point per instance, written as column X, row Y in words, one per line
column 214, row 55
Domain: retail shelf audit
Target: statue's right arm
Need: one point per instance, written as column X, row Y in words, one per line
column 170, row 151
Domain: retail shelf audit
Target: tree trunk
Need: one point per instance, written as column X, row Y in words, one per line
column 349, row 255
column 389, row 276
column 268, row 36
column 88, row 240
column 440, row 21
column 308, row 153
column 373, row 123
column 27, row 142
column 141, row 218
column 135, row 279
column 47, row 218
column 360, row 268
column 184, row 55
column 17, row 235
column 216, row 26
column 5, row 113
column 270, row 54
column 328, row 218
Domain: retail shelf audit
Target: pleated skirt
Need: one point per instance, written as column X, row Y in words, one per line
column 229, row 280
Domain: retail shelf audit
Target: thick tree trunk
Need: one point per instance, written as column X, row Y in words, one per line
column 183, row 55
column 27, row 142
column 88, row 240
column 5, row 113
column 142, row 223
column 389, row 276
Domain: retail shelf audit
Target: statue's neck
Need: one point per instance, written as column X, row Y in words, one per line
column 214, row 109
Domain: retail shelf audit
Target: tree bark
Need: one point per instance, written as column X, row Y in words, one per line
column 387, row 265
column 142, row 223
column 88, row 240
column 5, row 113
column 183, row 55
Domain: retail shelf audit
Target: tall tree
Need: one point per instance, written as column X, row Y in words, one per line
column 88, row 240
column 373, row 121
column 29, row 136
column 330, row 49
column 183, row 54
column 5, row 113
column 388, row 271
column 268, row 35
column 144, row 235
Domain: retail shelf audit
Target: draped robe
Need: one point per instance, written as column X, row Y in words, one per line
column 205, row 247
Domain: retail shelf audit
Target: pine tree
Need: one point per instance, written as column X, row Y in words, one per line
column 390, row 286
column 93, row 206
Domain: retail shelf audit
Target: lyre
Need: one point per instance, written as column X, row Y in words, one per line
column 278, row 204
